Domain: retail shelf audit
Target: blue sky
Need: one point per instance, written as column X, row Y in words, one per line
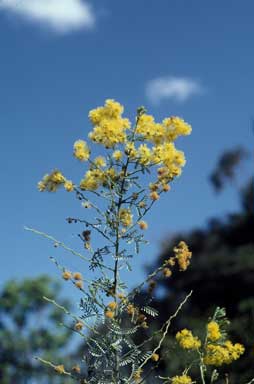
column 59, row 59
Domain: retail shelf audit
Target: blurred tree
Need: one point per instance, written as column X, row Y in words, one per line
column 221, row 274
column 28, row 328
column 227, row 166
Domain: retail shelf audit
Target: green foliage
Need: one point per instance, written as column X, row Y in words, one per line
column 222, row 273
column 29, row 326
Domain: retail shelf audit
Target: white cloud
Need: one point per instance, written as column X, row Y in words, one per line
column 62, row 16
column 177, row 88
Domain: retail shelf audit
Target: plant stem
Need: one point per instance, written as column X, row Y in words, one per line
column 202, row 372
column 118, row 207
column 120, row 200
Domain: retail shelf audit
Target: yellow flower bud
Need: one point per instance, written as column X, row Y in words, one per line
column 155, row 357
column 112, row 305
column 109, row 314
column 142, row 225
column 60, row 369
column 78, row 326
column 66, row 275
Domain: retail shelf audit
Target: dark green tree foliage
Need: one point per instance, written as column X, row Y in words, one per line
column 227, row 166
column 221, row 274
column 28, row 328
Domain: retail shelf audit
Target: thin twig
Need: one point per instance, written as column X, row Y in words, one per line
column 61, row 244
column 46, row 362
column 164, row 329
column 166, row 326
column 70, row 314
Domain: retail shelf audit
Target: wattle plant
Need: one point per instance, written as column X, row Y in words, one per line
column 138, row 164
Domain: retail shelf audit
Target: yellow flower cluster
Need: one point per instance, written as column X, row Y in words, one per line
column 168, row 131
column 213, row 331
column 144, row 154
column 173, row 159
column 150, row 130
column 130, row 150
column 94, row 178
column 51, row 182
column 67, row 275
column 109, row 126
column 110, row 129
column 175, row 127
column 223, row 354
column 81, row 150
column 164, row 154
column 183, row 379
column 183, row 255
column 110, row 310
column 186, row 339
column 125, row 217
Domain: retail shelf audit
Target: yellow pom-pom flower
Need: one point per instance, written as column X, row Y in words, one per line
column 100, row 161
column 144, row 154
column 155, row 357
column 109, row 126
column 137, row 375
column 77, row 276
column 213, row 331
column 51, row 182
column 117, row 155
column 68, row 185
column 79, row 284
column 183, row 255
column 109, row 314
column 154, row 196
column 175, row 127
column 167, row 272
column 226, row 353
column 143, row 225
column 81, row 150
column 78, row 326
column 112, row 305
column 186, row 339
column 67, row 275
column 125, row 217
column 60, row 369
column 183, row 379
